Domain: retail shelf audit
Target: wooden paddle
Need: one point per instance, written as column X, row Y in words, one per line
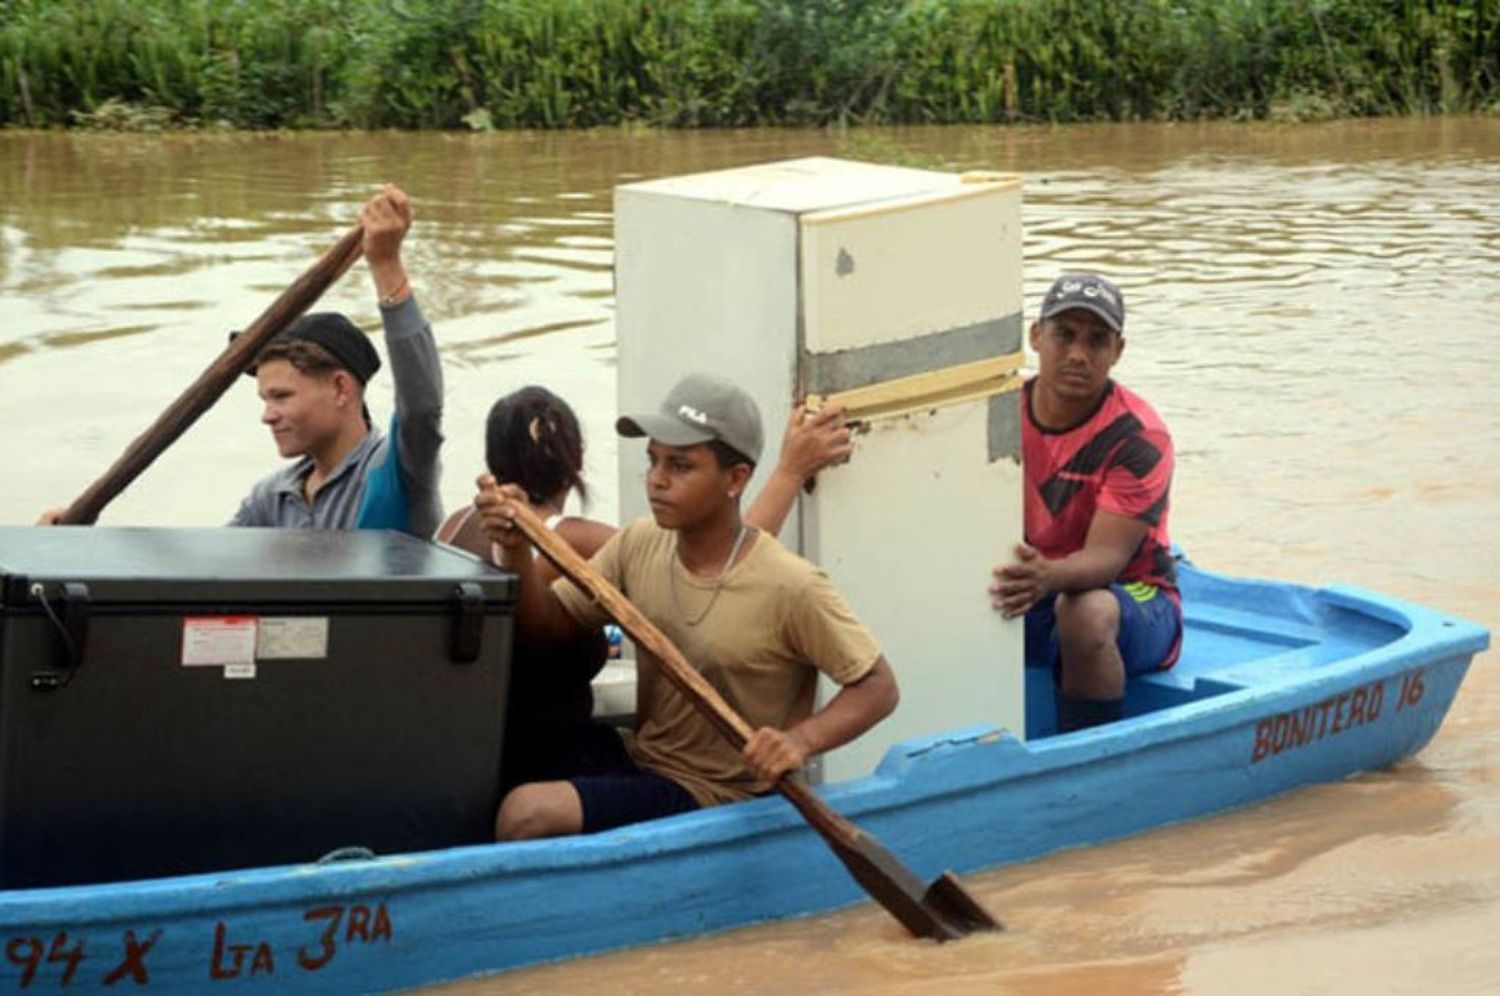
column 943, row 910
column 215, row 380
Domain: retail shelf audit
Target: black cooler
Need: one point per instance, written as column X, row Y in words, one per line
column 181, row 700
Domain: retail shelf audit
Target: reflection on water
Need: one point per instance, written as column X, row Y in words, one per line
column 1313, row 309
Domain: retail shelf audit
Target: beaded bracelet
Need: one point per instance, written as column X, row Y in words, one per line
column 396, row 296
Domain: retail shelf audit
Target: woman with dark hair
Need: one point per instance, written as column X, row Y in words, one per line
column 533, row 440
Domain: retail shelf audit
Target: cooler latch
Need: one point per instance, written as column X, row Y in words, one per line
column 468, row 623
column 69, row 616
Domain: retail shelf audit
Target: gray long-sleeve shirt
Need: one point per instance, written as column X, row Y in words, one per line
column 278, row 499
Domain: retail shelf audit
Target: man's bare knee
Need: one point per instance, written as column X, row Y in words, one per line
column 539, row 809
column 1088, row 618
column 1087, row 625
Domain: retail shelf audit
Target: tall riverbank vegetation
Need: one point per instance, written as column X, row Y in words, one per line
column 149, row 64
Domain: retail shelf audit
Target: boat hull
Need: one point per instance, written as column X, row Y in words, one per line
column 965, row 800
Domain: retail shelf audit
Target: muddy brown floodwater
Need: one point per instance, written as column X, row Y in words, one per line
column 1315, row 310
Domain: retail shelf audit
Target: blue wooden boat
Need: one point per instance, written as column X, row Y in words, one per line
column 1279, row 686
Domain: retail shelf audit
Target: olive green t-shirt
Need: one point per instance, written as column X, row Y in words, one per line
column 775, row 621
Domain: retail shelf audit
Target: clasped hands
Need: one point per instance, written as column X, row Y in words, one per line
column 1019, row 585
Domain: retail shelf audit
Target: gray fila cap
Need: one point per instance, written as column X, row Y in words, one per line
column 700, row 408
column 1088, row 291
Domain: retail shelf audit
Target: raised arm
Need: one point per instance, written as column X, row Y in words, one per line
column 386, row 219
column 415, row 368
column 813, row 440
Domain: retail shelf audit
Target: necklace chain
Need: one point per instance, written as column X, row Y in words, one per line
column 718, row 580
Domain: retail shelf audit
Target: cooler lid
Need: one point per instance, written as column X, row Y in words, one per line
column 138, row 564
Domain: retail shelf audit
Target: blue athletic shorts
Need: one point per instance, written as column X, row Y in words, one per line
column 629, row 795
column 1150, row 629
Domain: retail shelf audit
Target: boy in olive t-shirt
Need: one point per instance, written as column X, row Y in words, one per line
column 756, row 620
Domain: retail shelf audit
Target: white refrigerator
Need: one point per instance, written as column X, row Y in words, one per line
column 897, row 293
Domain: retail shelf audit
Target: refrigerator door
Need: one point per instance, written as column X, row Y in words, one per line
column 912, row 320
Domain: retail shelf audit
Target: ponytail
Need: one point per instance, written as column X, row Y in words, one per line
column 532, row 439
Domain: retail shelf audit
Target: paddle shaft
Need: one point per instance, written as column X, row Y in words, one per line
column 843, row 835
column 216, row 379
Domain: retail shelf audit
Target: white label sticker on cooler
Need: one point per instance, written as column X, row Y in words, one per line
column 292, row 638
column 218, row 641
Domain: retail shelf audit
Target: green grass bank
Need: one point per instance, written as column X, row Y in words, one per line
column 148, row 64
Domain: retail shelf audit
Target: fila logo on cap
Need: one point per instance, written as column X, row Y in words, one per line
column 689, row 412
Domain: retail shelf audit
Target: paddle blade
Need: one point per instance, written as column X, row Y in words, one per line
column 943, row 911
column 949, row 899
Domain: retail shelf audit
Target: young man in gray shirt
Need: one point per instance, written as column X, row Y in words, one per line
column 312, row 380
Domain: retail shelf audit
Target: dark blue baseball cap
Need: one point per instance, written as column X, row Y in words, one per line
column 1088, row 291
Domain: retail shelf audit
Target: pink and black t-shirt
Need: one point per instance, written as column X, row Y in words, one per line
column 1117, row 460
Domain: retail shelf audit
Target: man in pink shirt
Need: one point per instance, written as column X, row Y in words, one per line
column 1095, row 578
